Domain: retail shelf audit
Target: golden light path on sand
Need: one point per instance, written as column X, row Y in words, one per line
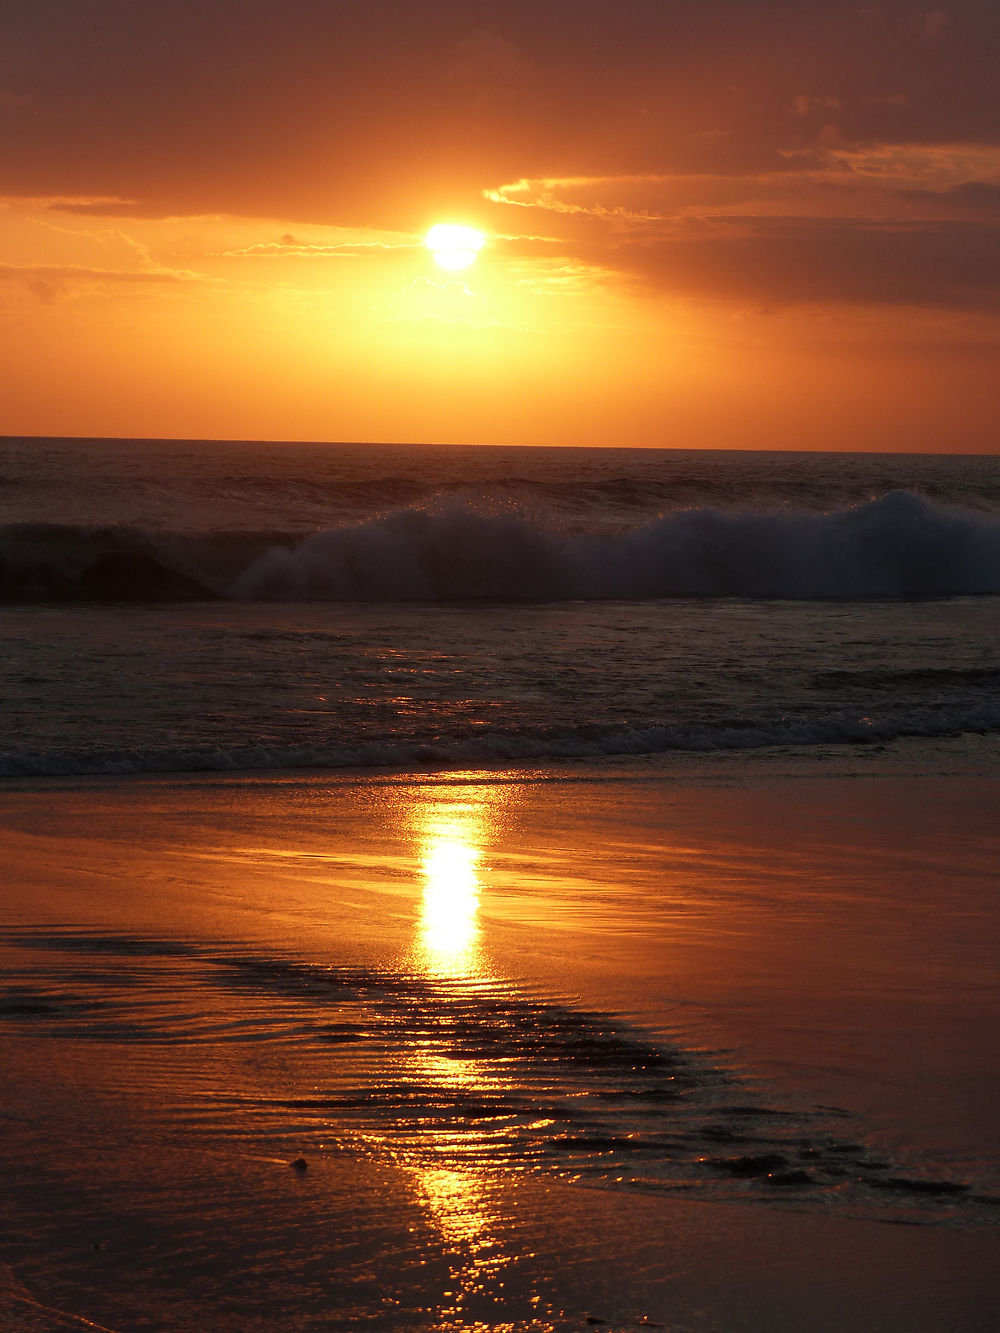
column 452, row 830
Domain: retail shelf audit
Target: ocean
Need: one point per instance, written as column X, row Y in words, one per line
column 492, row 889
column 181, row 606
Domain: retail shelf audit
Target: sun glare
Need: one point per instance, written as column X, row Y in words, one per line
column 454, row 247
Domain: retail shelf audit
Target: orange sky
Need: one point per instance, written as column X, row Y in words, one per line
column 709, row 224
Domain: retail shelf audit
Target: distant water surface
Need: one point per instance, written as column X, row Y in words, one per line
column 186, row 606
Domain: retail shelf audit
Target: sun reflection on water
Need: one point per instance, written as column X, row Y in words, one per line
column 449, row 928
column 456, row 1201
column 453, row 826
column 451, row 834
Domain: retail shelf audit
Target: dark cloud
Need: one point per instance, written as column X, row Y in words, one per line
column 372, row 113
column 781, row 262
column 734, row 149
column 979, row 196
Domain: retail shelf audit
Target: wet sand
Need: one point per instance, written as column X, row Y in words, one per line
column 716, row 1053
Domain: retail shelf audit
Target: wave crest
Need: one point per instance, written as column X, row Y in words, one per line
column 900, row 545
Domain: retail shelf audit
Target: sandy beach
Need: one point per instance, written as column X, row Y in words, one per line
column 502, row 1051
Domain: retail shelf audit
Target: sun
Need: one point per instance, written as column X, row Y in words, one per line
column 454, row 247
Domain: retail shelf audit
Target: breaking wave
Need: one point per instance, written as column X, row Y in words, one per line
column 899, row 545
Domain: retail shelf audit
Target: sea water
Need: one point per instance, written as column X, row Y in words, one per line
column 199, row 606
column 493, row 888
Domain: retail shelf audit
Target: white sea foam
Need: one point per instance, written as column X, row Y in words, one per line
column 900, row 545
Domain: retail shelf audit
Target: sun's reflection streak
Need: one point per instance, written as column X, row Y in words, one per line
column 451, row 834
column 457, row 1202
column 454, row 1163
column 449, row 925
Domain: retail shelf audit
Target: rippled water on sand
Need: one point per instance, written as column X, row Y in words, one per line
column 442, row 1054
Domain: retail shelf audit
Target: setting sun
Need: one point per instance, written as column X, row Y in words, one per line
column 454, row 247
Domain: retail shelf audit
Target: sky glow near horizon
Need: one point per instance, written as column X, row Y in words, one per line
column 708, row 224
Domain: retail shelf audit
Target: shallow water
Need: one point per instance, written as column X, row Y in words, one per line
column 486, row 1012
column 119, row 690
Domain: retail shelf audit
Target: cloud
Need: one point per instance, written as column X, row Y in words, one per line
column 289, row 245
column 781, row 262
column 550, row 194
column 886, row 99
column 103, row 208
column 873, row 248
column 49, row 282
column 804, row 105
column 379, row 113
column 102, row 205
column 900, row 165
column 983, row 196
column 641, row 138
column 876, row 182
column 564, row 279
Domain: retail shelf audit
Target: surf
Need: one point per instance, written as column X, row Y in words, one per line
column 900, row 545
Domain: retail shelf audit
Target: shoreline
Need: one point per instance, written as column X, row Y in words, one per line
column 953, row 755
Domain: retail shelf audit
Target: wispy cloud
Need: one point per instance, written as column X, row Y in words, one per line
column 840, row 225
column 548, row 193
column 901, row 166
column 49, row 282
column 290, row 246
column 640, row 199
column 102, row 204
